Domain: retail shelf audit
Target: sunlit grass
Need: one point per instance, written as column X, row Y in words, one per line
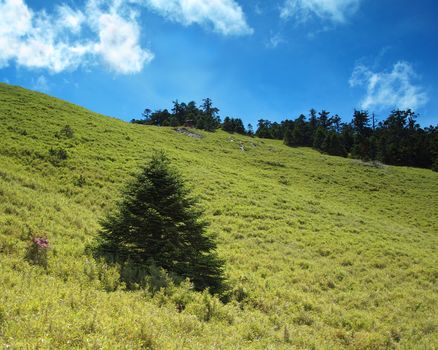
column 321, row 252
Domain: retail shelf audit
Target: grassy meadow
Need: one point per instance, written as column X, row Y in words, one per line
column 321, row 252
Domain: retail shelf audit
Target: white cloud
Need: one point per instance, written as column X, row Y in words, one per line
column 43, row 47
column 15, row 21
column 336, row 11
column 53, row 42
column 225, row 16
column 118, row 44
column 394, row 89
column 70, row 19
column 119, row 35
column 103, row 30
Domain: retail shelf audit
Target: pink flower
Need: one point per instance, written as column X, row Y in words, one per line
column 41, row 242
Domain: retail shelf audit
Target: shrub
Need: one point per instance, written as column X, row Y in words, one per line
column 435, row 165
column 66, row 131
column 2, row 315
column 80, row 181
column 156, row 278
column 56, row 156
column 37, row 251
column 109, row 277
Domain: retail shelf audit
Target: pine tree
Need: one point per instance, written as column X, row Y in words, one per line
column 288, row 138
column 299, row 132
column 211, row 119
column 250, row 130
column 319, row 138
column 362, row 132
column 159, row 223
column 313, row 125
column 333, row 145
column 227, row 125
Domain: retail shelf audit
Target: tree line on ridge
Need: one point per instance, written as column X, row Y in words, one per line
column 397, row 140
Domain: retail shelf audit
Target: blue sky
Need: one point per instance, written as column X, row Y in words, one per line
column 255, row 59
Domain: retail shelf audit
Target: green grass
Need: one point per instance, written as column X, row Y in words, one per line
column 321, row 252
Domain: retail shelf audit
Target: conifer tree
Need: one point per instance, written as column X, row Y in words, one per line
column 333, row 145
column 288, row 138
column 299, row 132
column 159, row 223
column 313, row 125
column 319, row 138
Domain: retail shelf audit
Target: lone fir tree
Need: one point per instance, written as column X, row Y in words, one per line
column 158, row 222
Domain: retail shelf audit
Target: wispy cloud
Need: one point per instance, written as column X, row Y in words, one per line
column 41, row 84
column 258, row 9
column 274, row 41
column 224, row 16
column 70, row 18
column 389, row 89
column 336, row 11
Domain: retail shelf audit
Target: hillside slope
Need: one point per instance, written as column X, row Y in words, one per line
column 322, row 252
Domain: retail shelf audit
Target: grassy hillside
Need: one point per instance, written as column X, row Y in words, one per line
column 322, row 252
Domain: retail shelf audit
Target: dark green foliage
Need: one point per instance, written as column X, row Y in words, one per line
column 272, row 130
column 277, row 130
column 233, row 125
column 158, row 118
column 264, row 129
column 362, row 132
column 227, row 125
column 336, row 124
column 295, row 133
column 184, row 114
column 37, row 251
column 324, row 119
column 250, row 130
column 80, row 181
column 209, row 119
column 347, row 134
column 319, row 138
column 361, row 148
column 333, row 145
column 159, row 224
column 398, row 140
column 288, row 137
column 299, row 132
column 313, row 120
column 66, row 132
column 401, row 142
column 57, row 155
column 361, row 122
